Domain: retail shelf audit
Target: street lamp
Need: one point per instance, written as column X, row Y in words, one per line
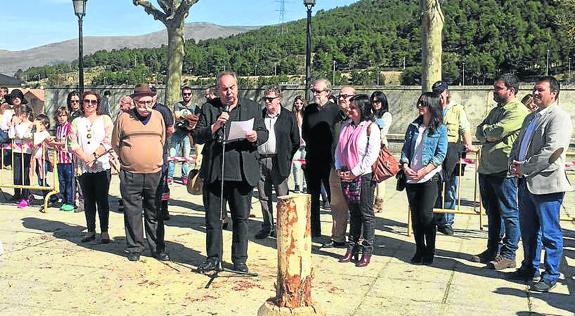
column 80, row 11
column 547, row 64
column 309, row 5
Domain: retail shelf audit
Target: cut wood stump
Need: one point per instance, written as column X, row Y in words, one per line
column 293, row 287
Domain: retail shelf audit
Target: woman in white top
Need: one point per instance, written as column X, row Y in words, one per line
column 90, row 141
column 297, row 170
column 422, row 154
column 383, row 119
column 356, row 151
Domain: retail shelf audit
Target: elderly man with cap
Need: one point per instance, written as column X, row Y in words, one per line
column 138, row 139
column 459, row 140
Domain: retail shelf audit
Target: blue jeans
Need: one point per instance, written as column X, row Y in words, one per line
column 446, row 219
column 499, row 196
column 66, row 182
column 540, row 222
column 175, row 144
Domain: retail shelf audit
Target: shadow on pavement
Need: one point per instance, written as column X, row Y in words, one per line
column 73, row 233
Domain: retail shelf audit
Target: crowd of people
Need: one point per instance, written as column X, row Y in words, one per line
column 328, row 145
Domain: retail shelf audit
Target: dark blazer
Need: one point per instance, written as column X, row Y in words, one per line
column 210, row 170
column 287, row 141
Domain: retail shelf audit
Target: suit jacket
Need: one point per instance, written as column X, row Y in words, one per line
column 210, row 170
column 544, row 166
column 287, row 142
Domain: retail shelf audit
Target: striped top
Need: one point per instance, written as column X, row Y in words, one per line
column 62, row 132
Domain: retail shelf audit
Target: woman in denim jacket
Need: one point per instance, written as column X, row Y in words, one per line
column 421, row 158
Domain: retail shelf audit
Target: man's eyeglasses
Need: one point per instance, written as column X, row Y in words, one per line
column 90, row 102
column 315, row 91
column 186, row 94
column 269, row 99
column 74, row 101
column 141, row 102
column 345, row 96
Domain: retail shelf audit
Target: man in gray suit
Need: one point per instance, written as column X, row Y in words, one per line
column 538, row 161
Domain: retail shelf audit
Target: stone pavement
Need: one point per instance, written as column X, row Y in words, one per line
column 46, row 270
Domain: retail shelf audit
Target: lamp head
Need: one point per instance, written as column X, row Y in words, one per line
column 310, row 3
column 79, row 8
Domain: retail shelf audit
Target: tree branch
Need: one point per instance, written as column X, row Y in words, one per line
column 166, row 5
column 151, row 10
column 184, row 8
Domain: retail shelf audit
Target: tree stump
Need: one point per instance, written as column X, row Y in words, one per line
column 293, row 287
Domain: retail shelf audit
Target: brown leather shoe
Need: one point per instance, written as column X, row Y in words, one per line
column 501, row 263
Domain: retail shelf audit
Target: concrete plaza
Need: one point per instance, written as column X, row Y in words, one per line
column 46, row 270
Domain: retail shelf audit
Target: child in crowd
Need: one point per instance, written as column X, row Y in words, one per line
column 41, row 163
column 65, row 165
column 20, row 130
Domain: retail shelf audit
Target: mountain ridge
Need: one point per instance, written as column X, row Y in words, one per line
column 66, row 51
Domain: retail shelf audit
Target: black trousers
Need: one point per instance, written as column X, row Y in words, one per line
column 21, row 173
column 422, row 197
column 95, row 188
column 139, row 193
column 316, row 174
column 238, row 194
column 362, row 217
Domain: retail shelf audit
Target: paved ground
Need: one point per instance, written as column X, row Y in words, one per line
column 46, row 270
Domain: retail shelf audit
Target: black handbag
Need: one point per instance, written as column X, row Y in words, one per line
column 400, row 176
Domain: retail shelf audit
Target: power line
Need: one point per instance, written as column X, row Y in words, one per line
column 282, row 11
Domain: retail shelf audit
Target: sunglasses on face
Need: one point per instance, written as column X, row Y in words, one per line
column 315, row 91
column 90, row 102
column 345, row 96
column 269, row 99
column 186, row 94
column 140, row 102
column 74, row 101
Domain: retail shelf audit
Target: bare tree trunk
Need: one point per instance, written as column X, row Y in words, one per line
column 173, row 15
column 175, row 61
column 431, row 26
column 293, row 288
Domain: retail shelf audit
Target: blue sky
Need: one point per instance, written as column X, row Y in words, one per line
column 31, row 23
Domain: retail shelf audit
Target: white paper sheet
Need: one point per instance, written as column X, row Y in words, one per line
column 238, row 129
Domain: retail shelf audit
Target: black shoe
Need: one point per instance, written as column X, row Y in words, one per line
column 134, row 256
column 273, row 234
column 542, row 286
column 446, row 230
column 524, row 276
column 88, row 238
column 427, row 260
column 241, row 267
column 333, row 244
column 326, row 206
column 262, row 234
column 211, row 264
column 417, row 258
column 296, row 189
column 162, row 256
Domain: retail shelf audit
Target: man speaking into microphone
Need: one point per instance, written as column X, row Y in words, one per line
column 241, row 169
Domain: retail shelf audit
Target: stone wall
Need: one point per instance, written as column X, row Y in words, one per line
column 477, row 100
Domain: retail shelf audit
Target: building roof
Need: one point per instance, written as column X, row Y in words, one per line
column 37, row 93
column 10, row 81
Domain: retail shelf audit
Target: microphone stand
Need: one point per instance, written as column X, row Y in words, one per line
column 220, row 268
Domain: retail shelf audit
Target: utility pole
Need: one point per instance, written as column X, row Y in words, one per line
column 333, row 73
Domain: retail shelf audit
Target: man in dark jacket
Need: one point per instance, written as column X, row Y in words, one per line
column 241, row 169
column 275, row 156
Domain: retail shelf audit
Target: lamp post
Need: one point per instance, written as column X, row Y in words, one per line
column 80, row 11
column 309, row 5
column 547, row 64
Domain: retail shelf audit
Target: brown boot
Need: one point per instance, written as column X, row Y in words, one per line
column 378, row 206
column 365, row 257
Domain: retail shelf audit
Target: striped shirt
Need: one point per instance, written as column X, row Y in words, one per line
column 62, row 131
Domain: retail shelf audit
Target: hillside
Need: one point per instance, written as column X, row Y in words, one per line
column 67, row 51
column 489, row 36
